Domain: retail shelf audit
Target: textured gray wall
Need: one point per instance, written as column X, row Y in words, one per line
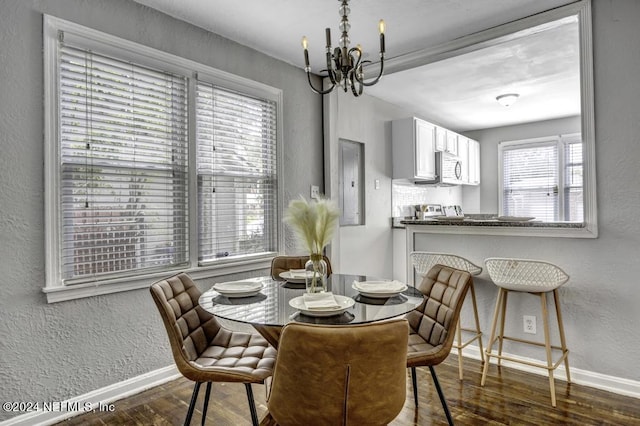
column 58, row 351
column 600, row 302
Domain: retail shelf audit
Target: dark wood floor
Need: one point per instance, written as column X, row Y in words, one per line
column 510, row 397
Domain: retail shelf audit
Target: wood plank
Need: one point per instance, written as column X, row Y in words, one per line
column 508, row 397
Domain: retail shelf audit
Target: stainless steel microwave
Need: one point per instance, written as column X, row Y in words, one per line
column 448, row 170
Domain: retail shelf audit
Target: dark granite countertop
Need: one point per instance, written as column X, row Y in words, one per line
column 471, row 221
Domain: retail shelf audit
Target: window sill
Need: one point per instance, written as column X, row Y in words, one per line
column 78, row 291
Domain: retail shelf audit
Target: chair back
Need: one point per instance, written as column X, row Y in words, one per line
column 534, row 276
column 424, row 260
column 340, row 375
column 281, row 264
column 190, row 328
column 435, row 319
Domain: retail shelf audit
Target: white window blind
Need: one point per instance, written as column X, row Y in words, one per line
column 237, row 185
column 123, row 158
column 574, row 184
column 530, row 181
column 543, row 178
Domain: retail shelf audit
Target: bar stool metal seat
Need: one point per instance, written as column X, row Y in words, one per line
column 535, row 277
column 423, row 261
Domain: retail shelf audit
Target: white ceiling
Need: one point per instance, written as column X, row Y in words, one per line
column 458, row 93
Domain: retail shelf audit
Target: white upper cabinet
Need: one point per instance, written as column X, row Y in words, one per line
column 413, row 149
column 452, row 143
column 463, row 154
column 474, row 162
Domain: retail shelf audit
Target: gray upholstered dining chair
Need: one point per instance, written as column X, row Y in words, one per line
column 423, row 261
column 205, row 351
column 281, row 264
column 340, row 374
column 433, row 323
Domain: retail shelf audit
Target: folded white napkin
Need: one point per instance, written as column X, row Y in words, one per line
column 298, row 273
column 237, row 286
column 380, row 286
column 320, row 301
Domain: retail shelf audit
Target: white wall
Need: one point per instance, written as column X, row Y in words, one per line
column 365, row 249
column 52, row 352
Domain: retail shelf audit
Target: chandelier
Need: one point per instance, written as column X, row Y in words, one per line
column 344, row 64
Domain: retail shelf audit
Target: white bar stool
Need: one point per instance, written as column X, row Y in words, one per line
column 423, row 261
column 535, row 277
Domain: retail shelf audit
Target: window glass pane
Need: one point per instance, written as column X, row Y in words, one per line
column 237, row 184
column 574, row 202
column 530, row 181
column 123, row 162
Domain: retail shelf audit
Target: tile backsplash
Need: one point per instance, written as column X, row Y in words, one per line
column 405, row 195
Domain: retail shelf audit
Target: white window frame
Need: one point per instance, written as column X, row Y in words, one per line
column 559, row 141
column 53, row 28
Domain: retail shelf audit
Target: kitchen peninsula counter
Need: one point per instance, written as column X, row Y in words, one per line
column 485, row 222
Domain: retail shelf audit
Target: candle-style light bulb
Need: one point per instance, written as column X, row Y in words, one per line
column 305, row 43
column 381, row 26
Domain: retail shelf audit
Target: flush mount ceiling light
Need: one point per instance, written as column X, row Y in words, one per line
column 344, row 64
column 507, row 99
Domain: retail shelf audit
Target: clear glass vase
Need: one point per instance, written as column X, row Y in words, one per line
column 316, row 271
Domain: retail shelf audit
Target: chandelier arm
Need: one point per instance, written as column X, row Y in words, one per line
column 330, row 71
column 355, row 80
column 371, row 83
column 319, row 92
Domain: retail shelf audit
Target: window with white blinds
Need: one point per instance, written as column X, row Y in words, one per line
column 236, row 168
column 123, row 152
column 542, row 178
column 154, row 164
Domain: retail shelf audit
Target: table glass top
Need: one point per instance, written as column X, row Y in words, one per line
column 271, row 306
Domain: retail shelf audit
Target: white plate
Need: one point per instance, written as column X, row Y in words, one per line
column 238, row 288
column 287, row 276
column 377, row 294
column 515, row 218
column 344, row 302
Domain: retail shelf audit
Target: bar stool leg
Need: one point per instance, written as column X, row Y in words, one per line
column 477, row 334
column 547, row 346
column 459, row 345
column 505, row 293
column 477, row 319
column 492, row 338
column 563, row 342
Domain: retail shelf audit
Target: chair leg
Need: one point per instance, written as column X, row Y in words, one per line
column 192, row 404
column 492, row 338
column 441, row 395
column 563, row 342
column 547, row 346
column 414, row 381
column 252, row 404
column 207, row 394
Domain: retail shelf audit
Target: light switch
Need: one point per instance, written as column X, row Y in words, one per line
column 315, row 192
column 376, row 184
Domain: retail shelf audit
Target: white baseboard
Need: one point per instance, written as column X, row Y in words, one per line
column 107, row 395
column 55, row 411
column 612, row 384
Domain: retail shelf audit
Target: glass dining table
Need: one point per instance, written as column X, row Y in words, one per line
column 270, row 309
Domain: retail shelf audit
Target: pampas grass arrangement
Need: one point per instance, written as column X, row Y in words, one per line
column 314, row 222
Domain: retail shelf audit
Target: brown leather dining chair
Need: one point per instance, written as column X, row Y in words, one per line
column 433, row 323
column 205, row 351
column 281, row 264
column 340, row 375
